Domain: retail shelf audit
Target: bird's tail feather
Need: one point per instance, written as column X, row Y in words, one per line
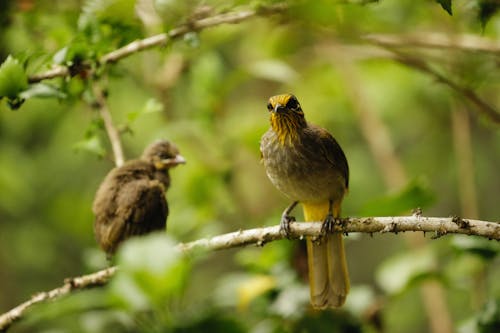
column 328, row 275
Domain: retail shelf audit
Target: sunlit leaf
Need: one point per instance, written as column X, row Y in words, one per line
column 291, row 301
column 42, row 90
column 91, row 144
column 239, row 289
column 360, row 298
column 152, row 105
column 477, row 245
column 252, row 288
column 273, row 70
column 13, row 78
column 152, row 271
column 396, row 273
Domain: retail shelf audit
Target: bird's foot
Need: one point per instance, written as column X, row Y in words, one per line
column 329, row 224
column 285, row 222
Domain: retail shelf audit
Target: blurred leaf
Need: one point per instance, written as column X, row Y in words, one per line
column 488, row 320
column 13, row 78
column 212, row 322
column 108, row 10
column 327, row 321
column 91, row 144
column 152, row 105
column 173, row 11
column 274, row 70
column 291, row 301
column 263, row 259
column 397, row 272
column 487, row 9
column 77, row 51
column 477, row 245
column 42, row 90
column 253, row 287
column 414, row 195
column 240, row 289
column 60, row 56
column 192, row 39
column 361, row 298
column 152, row 271
column 446, row 4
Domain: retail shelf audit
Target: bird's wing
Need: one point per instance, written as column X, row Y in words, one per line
column 134, row 208
column 142, row 205
column 333, row 152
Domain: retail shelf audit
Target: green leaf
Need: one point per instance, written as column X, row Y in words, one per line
column 416, row 194
column 476, row 245
column 110, row 11
column 42, row 90
column 487, row 8
column 273, row 70
column 396, row 273
column 152, row 271
column 152, row 105
column 446, row 4
column 13, row 78
column 91, row 144
column 488, row 320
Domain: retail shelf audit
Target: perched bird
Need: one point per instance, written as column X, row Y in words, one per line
column 131, row 199
column 306, row 163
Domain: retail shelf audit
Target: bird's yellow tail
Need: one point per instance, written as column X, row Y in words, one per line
column 328, row 275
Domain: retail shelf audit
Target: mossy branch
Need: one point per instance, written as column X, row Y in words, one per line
column 440, row 226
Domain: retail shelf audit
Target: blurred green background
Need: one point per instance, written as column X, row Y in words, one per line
column 410, row 142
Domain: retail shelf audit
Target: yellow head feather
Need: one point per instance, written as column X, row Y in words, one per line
column 287, row 117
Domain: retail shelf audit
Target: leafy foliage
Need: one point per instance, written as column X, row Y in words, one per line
column 446, row 4
column 13, row 80
column 207, row 92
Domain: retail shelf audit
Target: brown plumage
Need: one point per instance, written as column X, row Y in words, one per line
column 306, row 163
column 131, row 199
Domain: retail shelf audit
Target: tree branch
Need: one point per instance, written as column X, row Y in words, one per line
column 164, row 38
column 70, row 284
column 260, row 236
column 113, row 134
column 416, row 63
column 469, row 43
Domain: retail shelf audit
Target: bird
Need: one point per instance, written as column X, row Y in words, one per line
column 306, row 163
column 131, row 199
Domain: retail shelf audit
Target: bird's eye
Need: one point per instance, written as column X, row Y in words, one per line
column 292, row 103
column 163, row 156
column 269, row 106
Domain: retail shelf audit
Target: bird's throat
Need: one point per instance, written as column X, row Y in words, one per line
column 287, row 127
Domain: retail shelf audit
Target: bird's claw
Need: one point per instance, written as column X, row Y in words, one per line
column 285, row 222
column 329, row 224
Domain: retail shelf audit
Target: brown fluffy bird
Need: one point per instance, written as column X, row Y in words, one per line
column 306, row 163
column 131, row 199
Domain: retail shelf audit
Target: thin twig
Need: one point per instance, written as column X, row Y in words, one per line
column 260, row 236
column 164, row 38
column 434, row 40
column 482, row 106
column 113, row 134
column 70, row 284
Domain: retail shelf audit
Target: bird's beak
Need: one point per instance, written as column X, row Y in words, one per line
column 278, row 108
column 171, row 162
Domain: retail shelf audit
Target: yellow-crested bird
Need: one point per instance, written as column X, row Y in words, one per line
column 306, row 163
column 131, row 199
